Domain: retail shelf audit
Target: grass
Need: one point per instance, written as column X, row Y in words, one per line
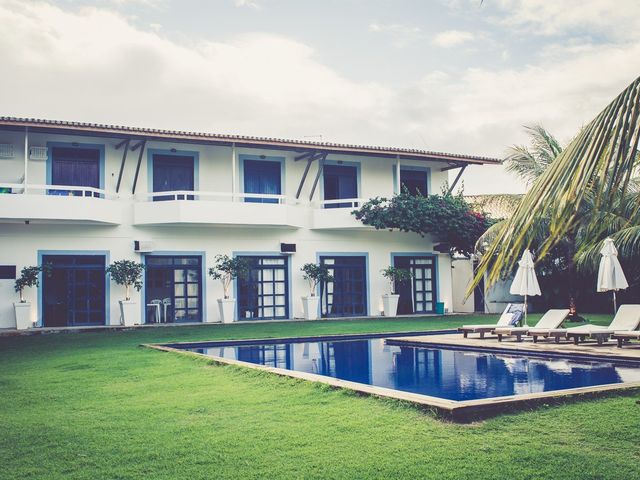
column 96, row 405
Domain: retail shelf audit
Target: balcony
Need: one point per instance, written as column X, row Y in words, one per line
column 215, row 208
column 336, row 215
column 58, row 204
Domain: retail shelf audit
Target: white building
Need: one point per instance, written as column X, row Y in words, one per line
column 79, row 196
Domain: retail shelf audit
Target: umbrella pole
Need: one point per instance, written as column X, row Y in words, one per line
column 615, row 308
column 525, row 312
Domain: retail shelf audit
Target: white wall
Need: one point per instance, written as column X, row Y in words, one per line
column 462, row 276
column 20, row 243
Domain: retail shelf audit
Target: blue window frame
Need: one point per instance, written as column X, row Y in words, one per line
column 346, row 295
column 416, row 182
column 73, row 292
column 264, row 293
column 174, row 280
column 75, row 166
column 262, row 176
column 340, row 181
column 173, row 173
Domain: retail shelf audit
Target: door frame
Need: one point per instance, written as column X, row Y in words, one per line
column 177, row 253
column 173, row 153
column 368, row 303
column 91, row 146
column 436, row 289
column 107, row 282
column 341, row 163
column 288, row 285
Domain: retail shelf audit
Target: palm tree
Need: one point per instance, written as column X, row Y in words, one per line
column 530, row 162
column 587, row 192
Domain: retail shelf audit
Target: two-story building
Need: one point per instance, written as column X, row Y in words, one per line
column 78, row 196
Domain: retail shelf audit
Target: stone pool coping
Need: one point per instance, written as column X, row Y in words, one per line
column 458, row 411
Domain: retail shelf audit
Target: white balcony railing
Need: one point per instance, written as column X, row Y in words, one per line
column 55, row 190
column 217, row 197
column 64, row 203
column 341, row 203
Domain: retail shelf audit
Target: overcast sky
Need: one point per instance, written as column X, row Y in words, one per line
column 459, row 76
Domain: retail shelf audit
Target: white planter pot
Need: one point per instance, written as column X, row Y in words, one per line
column 390, row 304
column 310, row 306
column 227, row 308
column 129, row 313
column 23, row 315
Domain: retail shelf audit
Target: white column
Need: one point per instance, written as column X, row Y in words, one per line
column 398, row 174
column 26, row 157
column 233, row 171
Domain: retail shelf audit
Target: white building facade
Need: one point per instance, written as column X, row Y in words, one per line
column 77, row 197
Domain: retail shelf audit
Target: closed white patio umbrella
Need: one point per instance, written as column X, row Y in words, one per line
column 525, row 282
column 610, row 274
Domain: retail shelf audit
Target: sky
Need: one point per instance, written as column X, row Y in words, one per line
column 460, row 76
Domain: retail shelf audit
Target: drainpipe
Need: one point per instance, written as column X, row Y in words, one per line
column 26, row 157
column 398, row 183
column 233, row 172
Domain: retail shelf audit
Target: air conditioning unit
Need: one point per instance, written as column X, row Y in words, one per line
column 6, row 150
column 288, row 248
column 38, row 153
column 143, row 246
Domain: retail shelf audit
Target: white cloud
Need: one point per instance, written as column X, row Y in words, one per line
column 401, row 35
column 452, row 38
column 95, row 65
column 617, row 19
column 248, row 3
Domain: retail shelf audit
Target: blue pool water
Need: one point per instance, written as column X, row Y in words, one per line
column 438, row 372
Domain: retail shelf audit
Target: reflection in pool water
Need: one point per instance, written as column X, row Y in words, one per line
column 443, row 373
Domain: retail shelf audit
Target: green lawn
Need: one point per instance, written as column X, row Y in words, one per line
column 98, row 406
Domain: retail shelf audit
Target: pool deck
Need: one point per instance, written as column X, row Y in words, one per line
column 608, row 350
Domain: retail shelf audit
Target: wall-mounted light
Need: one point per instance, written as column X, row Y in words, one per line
column 262, row 157
column 75, row 144
column 173, row 150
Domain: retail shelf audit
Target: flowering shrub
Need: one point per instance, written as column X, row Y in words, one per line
column 448, row 218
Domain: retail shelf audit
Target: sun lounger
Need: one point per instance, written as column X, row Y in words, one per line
column 627, row 319
column 626, row 336
column 550, row 322
column 511, row 315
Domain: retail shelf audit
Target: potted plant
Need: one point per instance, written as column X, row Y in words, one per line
column 390, row 300
column 29, row 277
column 226, row 269
column 314, row 274
column 129, row 274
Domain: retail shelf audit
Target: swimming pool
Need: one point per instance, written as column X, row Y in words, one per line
column 444, row 373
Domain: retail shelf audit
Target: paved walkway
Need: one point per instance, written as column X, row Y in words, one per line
column 630, row 351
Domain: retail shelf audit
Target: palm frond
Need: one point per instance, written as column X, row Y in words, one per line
column 600, row 159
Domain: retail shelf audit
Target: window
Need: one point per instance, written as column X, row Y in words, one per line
column 173, row 173
column 263, row 294
column 262, row 176
column 75, row 167
column 340, row 181
column 415, row 181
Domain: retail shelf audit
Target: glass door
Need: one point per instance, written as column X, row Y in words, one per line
column 75, row 167
column 417, row 295
column 73, row 293
column 264, row 294
column 175, row 284
column 346, row 295
column 340, row 181
column 173, row 173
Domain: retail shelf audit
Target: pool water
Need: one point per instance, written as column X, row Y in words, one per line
column 437, row 372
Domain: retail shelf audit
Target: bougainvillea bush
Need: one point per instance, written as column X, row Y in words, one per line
column 448, row 218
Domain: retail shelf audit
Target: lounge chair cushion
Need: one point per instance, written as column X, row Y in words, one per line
column 627, row 319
